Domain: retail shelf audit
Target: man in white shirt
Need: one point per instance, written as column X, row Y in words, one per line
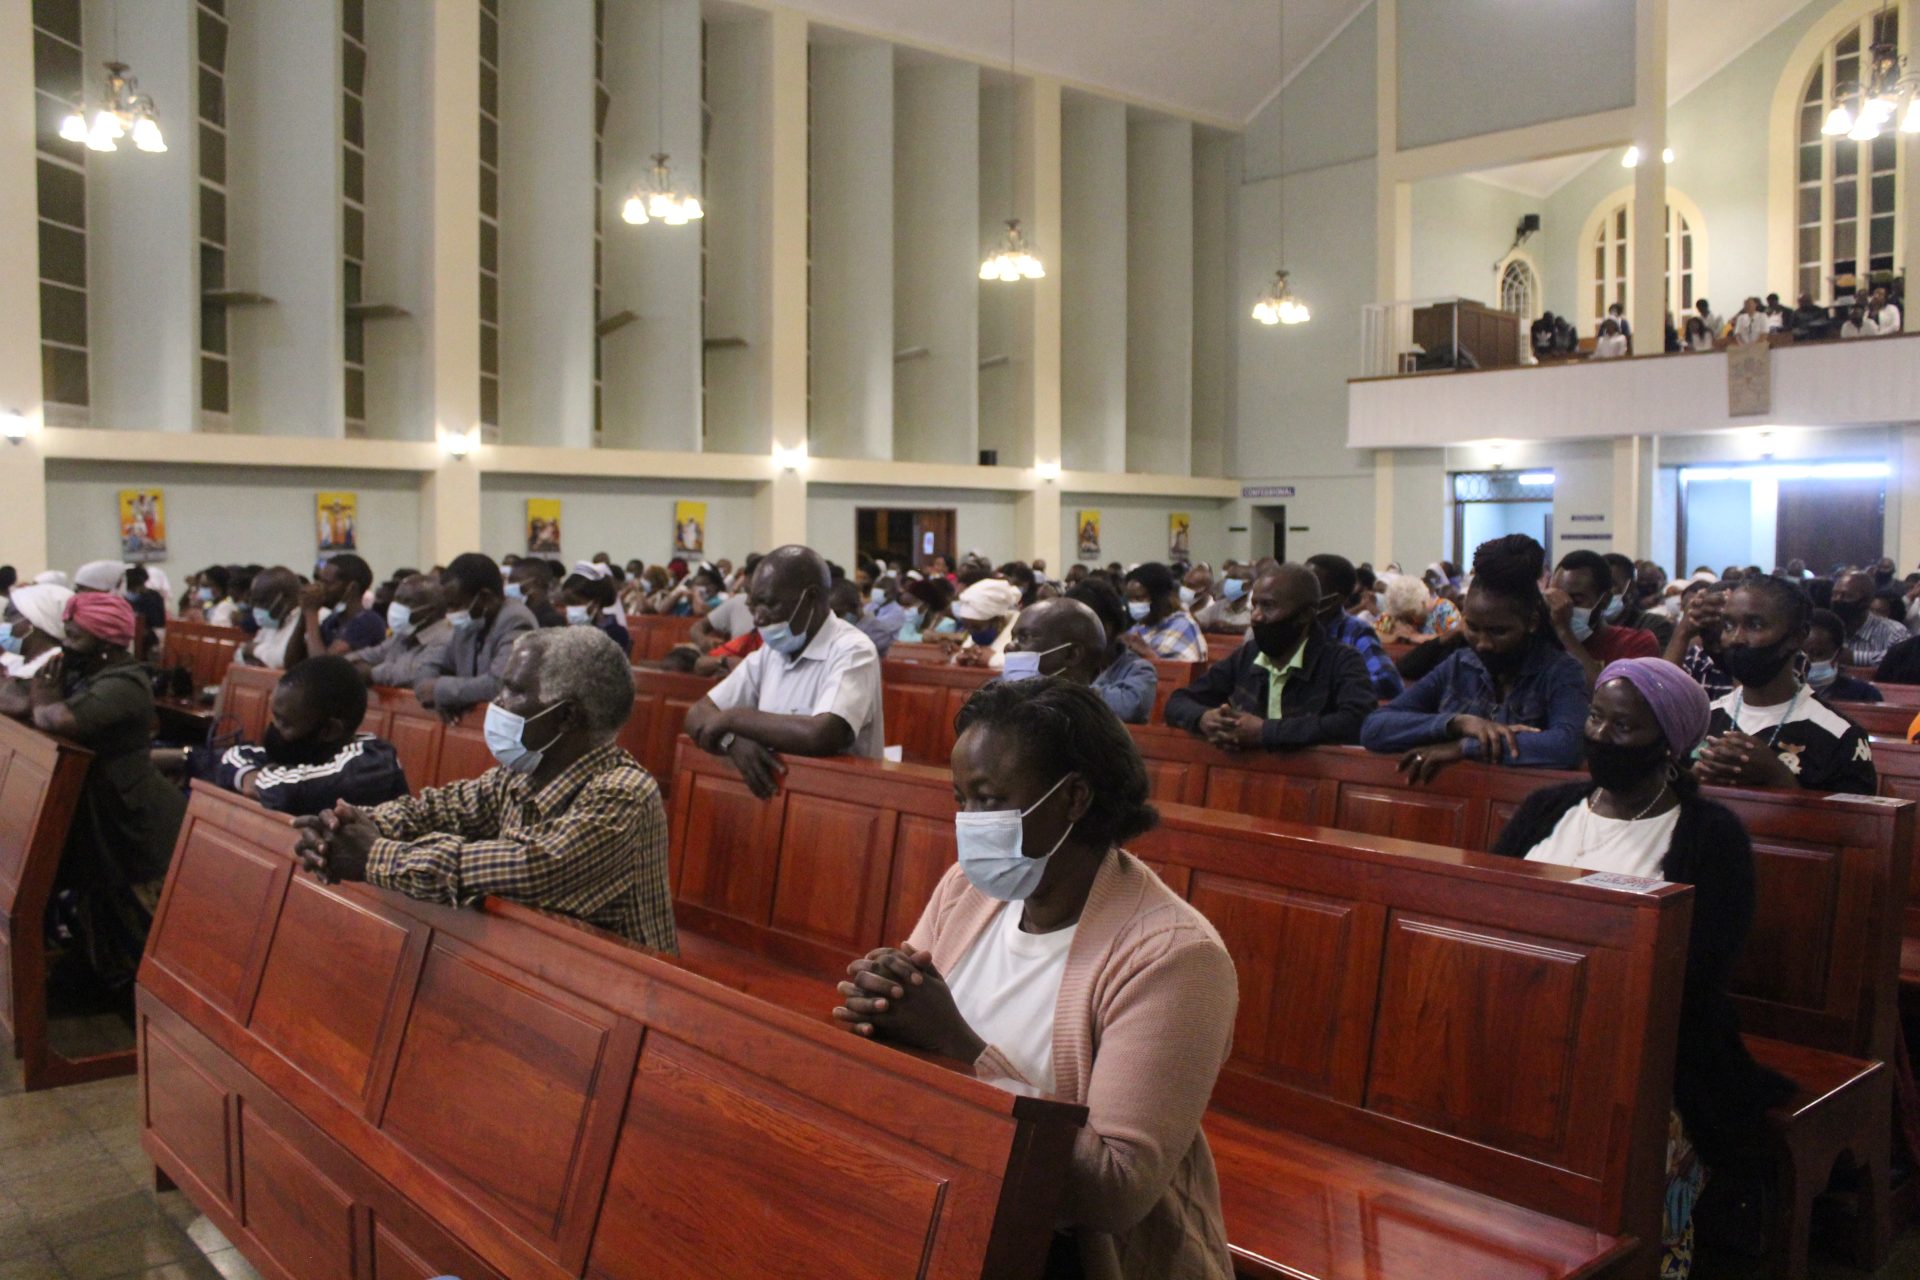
column 1611, row 344
column 280, row 641
column 1859, row 325
column 1885, row 313
column 812, row 688
column 1751, row 325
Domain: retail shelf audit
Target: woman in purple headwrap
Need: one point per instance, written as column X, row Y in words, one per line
column 1641, row 814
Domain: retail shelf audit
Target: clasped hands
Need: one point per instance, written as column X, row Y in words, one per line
column 895, row 993
column 1497, row 742
column 334, row 843
column 1231, row 729
column 758, row 766
column 1736, row 759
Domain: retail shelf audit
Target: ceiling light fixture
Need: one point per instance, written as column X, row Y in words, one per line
column 1864, row 109
column 1013, row 260
column 1279, row 305
column 1631, row 160
column 657, row 197
column 125, row 112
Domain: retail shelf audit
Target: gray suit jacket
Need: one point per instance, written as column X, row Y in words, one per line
column 469, row 665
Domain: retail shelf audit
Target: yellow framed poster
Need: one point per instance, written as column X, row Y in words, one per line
column 1088, row 523
column 143, row 525
column 1179, row 537
column 543, row 526
column 689, row 528
column 337, row 517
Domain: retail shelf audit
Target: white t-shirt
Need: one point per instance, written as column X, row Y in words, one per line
column 1007, row 986
column 1888, row 321
column 838, row 671
column 1609, row 346
column 1758, row 722
column 1750, row 328
column 734, row 616
column 270, row 647
column 1582, row 838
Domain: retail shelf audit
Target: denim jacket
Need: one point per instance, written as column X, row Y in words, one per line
column 1549, row 694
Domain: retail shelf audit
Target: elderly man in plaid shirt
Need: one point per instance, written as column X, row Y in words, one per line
column 568, row 821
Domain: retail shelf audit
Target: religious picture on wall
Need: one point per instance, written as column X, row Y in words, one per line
column 543, row 526
column 689, row 528
column 1088, row 522
column 143, row 525
column 337, row 517
column 1179, row 537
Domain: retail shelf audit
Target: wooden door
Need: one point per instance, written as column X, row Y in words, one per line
column 933, row 536
column 1829, row 522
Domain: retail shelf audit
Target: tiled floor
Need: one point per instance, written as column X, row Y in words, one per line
column 76, row 1192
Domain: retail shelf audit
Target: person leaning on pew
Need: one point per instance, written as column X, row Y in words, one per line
column 416, row 620
column 812, row 688
column 1129, row 683
column 567, row 822
column 1051, row 958
column 1641, row 814
column 1509, row 694
column 1294, row 686
column 468, row 668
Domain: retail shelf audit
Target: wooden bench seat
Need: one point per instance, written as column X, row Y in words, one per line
column 349, row 1082
column 204, row 652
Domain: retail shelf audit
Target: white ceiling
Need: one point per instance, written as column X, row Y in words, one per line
column 1218, row 59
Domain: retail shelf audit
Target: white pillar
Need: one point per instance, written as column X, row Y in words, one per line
column 937, row 261
column 1037, row 346
column 1000, row 303
column 1160, row 297
column 782, row 509
column 1213, row 309
column 651, row 368
column 1631, row 514
column 1649, row 264
column 143, row 228
column 283, row 219
column 546, row 228
column 741, row 160
column 23, row 481
column 851, row 196
column 1092, row 266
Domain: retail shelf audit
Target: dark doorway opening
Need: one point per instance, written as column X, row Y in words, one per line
column 903, row 535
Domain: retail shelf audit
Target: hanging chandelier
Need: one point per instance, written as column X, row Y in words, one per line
column 125, row 112
column 657, row 197
column 1862, row 110
column 1013, row 260
column 1279, row 306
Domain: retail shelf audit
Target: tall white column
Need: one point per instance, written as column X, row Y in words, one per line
column 781, row 512
column 1212, row 302
column 1160, row 297
column 143, row 229
column 741, row 160
column 851, row 197
column 1649, row 264
column 1092, row 263
column 1631, row 515
column 23, row 479
column 546, row 224
column 937, row 261
column 1000, row 301
column 650, row 369
column 1038, row 319
column 284, row 217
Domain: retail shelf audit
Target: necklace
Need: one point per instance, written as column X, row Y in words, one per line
column 1658, row 796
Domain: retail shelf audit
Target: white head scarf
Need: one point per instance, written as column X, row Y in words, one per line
column 42, row 605
column 986, row 600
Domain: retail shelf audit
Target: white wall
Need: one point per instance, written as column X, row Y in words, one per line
column 999, row 301
column 1329, row 108
column 624, row 518
column 225, row 515
column 398, row 263
column 1160, row 296
column 1461, row 228
column 1093, row 284
column 983, row 522
column 1213, row 296
column 739, row 412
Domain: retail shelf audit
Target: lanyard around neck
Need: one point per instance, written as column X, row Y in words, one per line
column 1739, row 703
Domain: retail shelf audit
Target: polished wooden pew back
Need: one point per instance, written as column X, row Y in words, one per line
column 202, row 650
column 349, row 1082
column 41, row 778
column 655, row 634
column 1378, row 978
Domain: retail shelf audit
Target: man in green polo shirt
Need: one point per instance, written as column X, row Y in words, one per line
column 1291, row 687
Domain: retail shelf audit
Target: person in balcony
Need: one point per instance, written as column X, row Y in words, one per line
column 1540, row 335
column 1778, row 317
column 1809, row 322
column 1618, row 314
column 1752, row 324
column 1884, row 312
column 1859, row 324
column 1716, row 327
column 1698, row 336
column 1611, row 344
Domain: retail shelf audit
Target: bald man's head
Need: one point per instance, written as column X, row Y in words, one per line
column 421, row 596
column 1068, row 636
column 790, row 585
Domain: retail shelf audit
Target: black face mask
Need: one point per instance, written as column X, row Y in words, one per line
column 1618, row 767
column 289, row 751
column 1278, row 640
column 1752, row 666
column 1502, row 664
column 1851, row 612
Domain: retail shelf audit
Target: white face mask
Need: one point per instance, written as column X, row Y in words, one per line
column 990, row 854
column 1025, row 665
column 1186, row 596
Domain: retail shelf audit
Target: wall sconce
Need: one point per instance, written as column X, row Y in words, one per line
column 790, row 460
column 15, row 426
column 1048, row 471
column 457, row 444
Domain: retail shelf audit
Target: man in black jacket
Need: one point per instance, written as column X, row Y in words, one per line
column 1292, row 687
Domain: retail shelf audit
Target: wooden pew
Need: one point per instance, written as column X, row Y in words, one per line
column 920, row 701
column 1221, row 644
column 1357, row 1127
column 204, row 652
column 349, row 1082
column 41, row 778
column 654, row 634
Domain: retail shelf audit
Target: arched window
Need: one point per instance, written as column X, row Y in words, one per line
column 1845, row 191
column 1519, row 289
column 1607, row 262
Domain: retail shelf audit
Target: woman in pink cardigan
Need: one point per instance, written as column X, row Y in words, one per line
column 1052, row 958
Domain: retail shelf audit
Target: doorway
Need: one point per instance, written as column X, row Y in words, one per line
column 903, row 535
column 1769, row 513
column 1493, row 504
column 1270, row 531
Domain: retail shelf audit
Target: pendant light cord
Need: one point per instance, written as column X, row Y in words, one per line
column 660, row 77
column 1013, row 113
column 1280, row 125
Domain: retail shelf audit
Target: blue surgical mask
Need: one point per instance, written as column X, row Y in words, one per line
column 983, row 636
column 1139, row 609
column 1819, row 674
column 781, row 637
column 263, row 618
column 460, row 620
column 714, row 602
column 400, row 619
column 10, row 642
column 1233, row 588
column 579, row 615
column 1581, row 623
column 1186, row 596
column 204, row 595
column 516, row 592
column 1025, row 664
column 505, row 733
column 1615, row 607
column 990, row 853
column 131, row 594
column 877, row 596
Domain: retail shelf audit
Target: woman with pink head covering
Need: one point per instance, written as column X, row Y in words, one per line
column 123, row 829
column 1639, row 814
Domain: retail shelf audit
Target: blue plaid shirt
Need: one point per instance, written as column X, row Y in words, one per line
column 1355, row 634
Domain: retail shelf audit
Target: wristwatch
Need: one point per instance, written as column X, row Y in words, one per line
column 726, row 743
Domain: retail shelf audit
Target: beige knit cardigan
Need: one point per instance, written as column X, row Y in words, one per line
column 1141, row 1029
